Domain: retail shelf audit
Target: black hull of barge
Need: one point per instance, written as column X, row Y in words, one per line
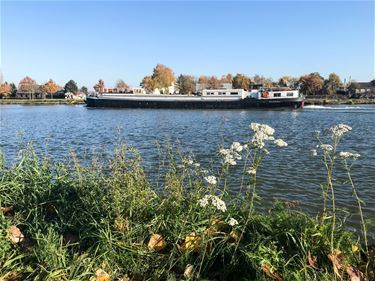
column 240, row 104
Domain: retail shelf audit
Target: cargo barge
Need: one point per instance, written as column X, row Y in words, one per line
column 209, row 99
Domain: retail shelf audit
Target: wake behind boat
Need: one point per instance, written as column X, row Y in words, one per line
column 209, row 99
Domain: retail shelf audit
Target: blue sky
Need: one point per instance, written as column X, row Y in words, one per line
column 88, row 40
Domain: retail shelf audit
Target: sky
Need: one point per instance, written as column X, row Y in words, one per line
column 111, row 40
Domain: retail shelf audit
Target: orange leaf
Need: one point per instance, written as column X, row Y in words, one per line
column 16, row 235
column 336, row 259
column 156, row 243
column 355, row 274
column 312, row 261
column 267, row 270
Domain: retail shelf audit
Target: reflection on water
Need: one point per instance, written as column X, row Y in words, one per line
column 287, row 174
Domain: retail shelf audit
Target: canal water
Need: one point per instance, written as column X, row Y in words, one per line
column 290, row 174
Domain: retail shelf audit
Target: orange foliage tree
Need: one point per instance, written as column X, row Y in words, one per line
column 5, row 89
column 100, row 86
column 162, row 77
column 311, row 84
column 241, row 81
column 50, row 87
column 27, row 85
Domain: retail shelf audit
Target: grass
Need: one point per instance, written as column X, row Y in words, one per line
column 106, row 221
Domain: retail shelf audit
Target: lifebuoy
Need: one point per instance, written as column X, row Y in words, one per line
column 265, row 94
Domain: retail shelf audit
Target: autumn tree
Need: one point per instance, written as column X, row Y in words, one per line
column 27, row 85
column 186, row 84
column 203, row 81
column 71, row 87
column 332, row 84
column 122, row 86
column 50, row 87
column 99, row 87
column 311, row 84
column 214, row 83
column 161, row 78
column 148, row 83
column 227, row 78
column 5, row 90
column 266, row 82
column 241, row 81
column 288, row 81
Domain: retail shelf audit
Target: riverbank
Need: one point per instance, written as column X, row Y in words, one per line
column 308, row 101
column 106, row 221
column 312, row 101
column 41, row 101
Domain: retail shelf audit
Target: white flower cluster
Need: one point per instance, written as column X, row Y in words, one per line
column 326, row 147
column 340, row 129
column 262, row 133
column 280, row 143
column 211, row 180
column 252, row 171
column 232, row 222
column 215, row 201
column 190, row 162
column 232, row 154
column 345, row 155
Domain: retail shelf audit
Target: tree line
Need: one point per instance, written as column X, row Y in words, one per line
column 163, row 77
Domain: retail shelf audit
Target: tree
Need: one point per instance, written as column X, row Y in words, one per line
column 241, row 81
column 163, row 76
column 14, row 89
column 288, row 81
column 266, row 82
column 99, row 87
column 28, row 85
column 186, row 84
column 122, row 86
column 227, row 78
column 50, row 87
column 203, row 82
column 71, row 87
column 5, row 89
column 84, row 89
column 214, row 83
column 332, row 84
column 148, row 83
column 311, row 84
column 353, row 86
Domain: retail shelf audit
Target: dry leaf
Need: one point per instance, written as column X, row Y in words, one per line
column 101, row 275
column 121, row 224
column 233, row 236
column 274, row 275
column 16, row 235
column 192, row 243
column 336, row 259
column 6, row 210
column 188, row 271
column 126, row 278
column 156, row 243
column 312, row 261
column 11, row 276
column 355, row 274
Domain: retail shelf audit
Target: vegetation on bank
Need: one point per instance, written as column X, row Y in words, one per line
column 106, row 221
column 163, row 77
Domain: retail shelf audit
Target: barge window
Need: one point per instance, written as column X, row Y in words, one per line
column 289, row 94
column 277, row 95
column 233, row 93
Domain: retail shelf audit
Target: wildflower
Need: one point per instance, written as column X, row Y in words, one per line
column 326, row 147
column 262, row 133
column 236, row 146
column 339, row 130
column 188, row 162
column 280, row 143
column 204, row 201
column 252, row 171
column 345, row 155
column 215, row 201
column 313, row 152
column 197, row 165
column 211, row 180
column 232, row 222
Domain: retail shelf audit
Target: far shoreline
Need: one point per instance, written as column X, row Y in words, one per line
column 308, row 101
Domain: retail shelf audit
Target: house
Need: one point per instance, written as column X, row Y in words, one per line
column 365, row 88
column 75, row 96
column 30, row 95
